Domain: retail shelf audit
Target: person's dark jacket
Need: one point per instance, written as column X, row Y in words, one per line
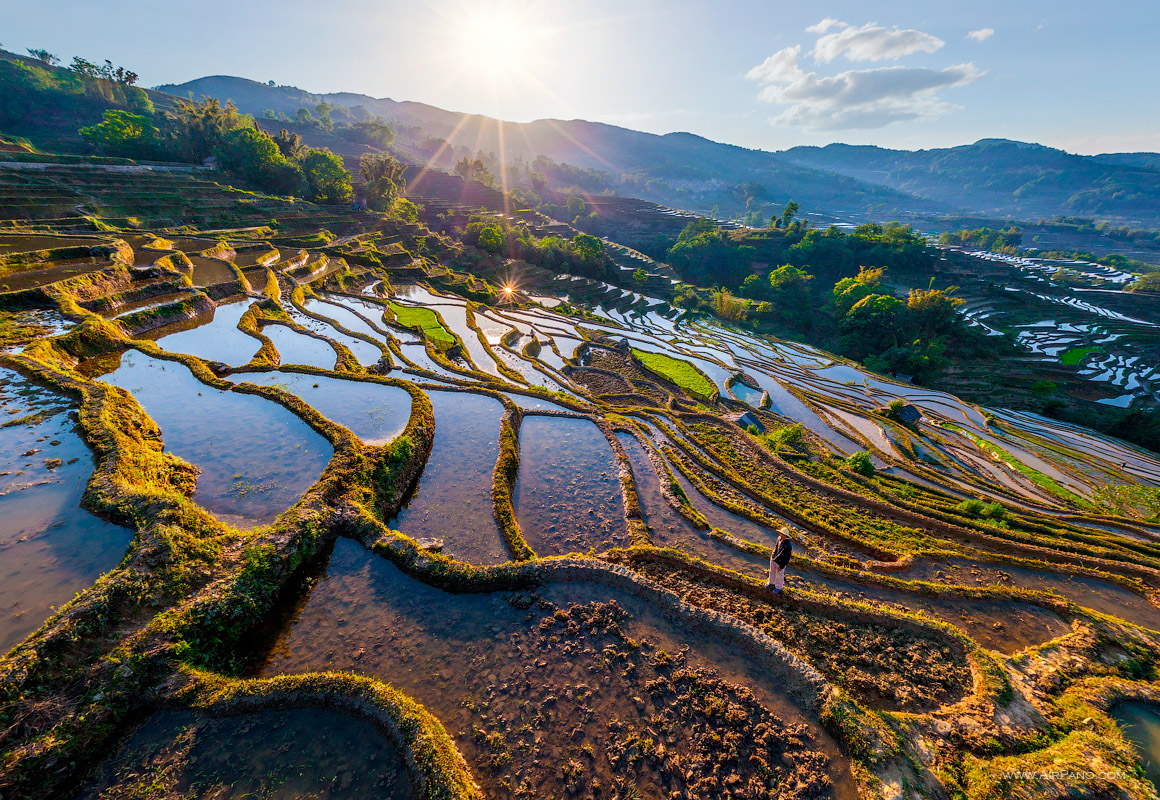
column 782, row 553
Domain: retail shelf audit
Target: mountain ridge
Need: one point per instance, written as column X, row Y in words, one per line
column 993, row 176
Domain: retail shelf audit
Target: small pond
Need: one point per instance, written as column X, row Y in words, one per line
column 452, row 498
column 568, row 495
column 50, row 548
column 256, row 457
column 304, row 753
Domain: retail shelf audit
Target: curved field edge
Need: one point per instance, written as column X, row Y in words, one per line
column 253, row 567
column 436, row 768
column 189, row 588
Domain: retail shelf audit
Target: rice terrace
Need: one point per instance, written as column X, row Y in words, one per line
column 355, row 448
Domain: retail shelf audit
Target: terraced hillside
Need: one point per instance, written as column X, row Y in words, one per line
column 354, row 521
column 84, row 196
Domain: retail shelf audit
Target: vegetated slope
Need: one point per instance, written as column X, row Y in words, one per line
column 993, row 176
column 1005, row 177
column 49, row 115
column 695, row 168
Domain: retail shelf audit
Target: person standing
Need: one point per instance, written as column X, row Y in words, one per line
column 778, row 561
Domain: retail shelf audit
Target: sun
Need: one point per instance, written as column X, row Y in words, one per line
column 494, row 40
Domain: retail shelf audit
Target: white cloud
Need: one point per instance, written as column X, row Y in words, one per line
column 781, row 67
column 871, row 42
column 982, row 34
column 825, row 25
column 867, row 98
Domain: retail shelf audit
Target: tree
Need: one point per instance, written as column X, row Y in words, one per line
column 384, row 180
column 848, row 292
column 790, row 285
column 290, row 144
column 791, row 209
column 491, row 239
column 304, row 117
column 124, row 134
column 327, row 180
column 639, row 275
column 107, row 71
column 588, row 248
column 473, row 170
column 253, row 155
column 575, row 206
column 404, row 209
column 195, row 131
column 375, row 134
column 43, row 56
column 872, row 325
column 324, row 120
column 932, row 312
column 754, row 287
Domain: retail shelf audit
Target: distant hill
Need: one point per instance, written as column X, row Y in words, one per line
column 1151, row 160
column 994, row 177
column 1003, row 177
column 697, row 171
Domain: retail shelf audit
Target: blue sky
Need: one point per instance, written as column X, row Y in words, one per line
column 768, row 75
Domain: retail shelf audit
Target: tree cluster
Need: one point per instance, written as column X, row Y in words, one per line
column 36, row 99
column 1005, row 240
column 859, row 315
column 193, row 132
column 582, row 255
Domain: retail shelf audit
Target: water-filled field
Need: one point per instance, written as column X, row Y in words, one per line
column 524, row 546
column 50, row 548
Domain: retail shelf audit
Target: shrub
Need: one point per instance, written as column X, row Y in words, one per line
column 995, row 511
column 861, row 464
column 793, row 436
column 972, row 507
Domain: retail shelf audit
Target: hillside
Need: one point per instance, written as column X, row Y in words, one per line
column 991, row 176
column 1005, row 177
column 696, row 172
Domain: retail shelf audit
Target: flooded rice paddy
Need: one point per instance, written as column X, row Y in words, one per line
column 522, row 680
column 364, row 352
column 1101, row 596
column 1004, row 625
column 256, row 457
column 280, row 755
column 373, row 412
column 1140, row 723
column 667, row 528
column 573, row 689
column 452, row 499
column 568, row 496
column 216, row 340
column 50, row 548
column 298, row 348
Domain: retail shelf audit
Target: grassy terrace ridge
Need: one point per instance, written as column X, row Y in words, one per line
column 1076, row 355
column 682, row 373
column 1035, row 476
column 942, row 649
column 422, row 319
